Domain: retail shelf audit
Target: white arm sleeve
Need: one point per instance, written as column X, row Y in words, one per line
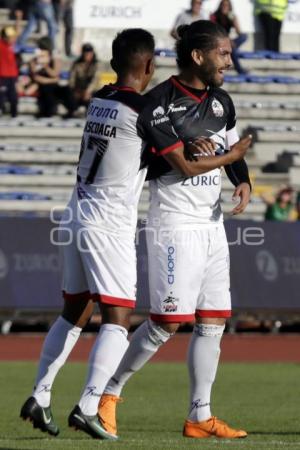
column 231, row 137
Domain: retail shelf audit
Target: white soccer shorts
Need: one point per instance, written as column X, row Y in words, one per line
column 97, row 265
column 188, row 273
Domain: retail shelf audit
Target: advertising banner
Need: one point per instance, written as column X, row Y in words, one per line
column 265, row 265
column 160, row 15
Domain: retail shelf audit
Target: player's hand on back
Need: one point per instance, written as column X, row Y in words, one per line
column 239, row 150
column 201, row 146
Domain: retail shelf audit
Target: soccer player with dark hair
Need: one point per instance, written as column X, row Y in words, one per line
column 187, row 247
column 98, row 228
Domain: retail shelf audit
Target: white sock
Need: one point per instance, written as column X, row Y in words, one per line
column 203, row 359
column 144, row 343
column 106, row 354
column 58, row 344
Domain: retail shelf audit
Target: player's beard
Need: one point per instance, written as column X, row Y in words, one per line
column 208, row 74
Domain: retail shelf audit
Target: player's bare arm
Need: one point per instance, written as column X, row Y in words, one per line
column 188, row 168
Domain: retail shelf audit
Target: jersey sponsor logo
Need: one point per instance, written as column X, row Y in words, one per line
column 106, row 113
column 159, row 112
column 173, row 108
column 100, row 128
column 159, row 116
column 170, row 303
column 171, row 264
column 202, row 180
column 217, row 108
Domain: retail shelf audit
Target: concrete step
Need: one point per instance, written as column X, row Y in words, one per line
column 267, row 113
column 23, row 181
column 267, row 88
column 16, row 157
column 41, row 132
column 268, row 151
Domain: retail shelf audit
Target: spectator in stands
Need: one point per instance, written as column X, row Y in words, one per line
column 44, row 71
column 64, row 13
column 8, row 70
column 280, row 208
column 188, row 16
column 225, row 17
column 271, row 14
column 84, row 79
column 39, row 10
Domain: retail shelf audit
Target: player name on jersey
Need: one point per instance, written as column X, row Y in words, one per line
column 100, row 128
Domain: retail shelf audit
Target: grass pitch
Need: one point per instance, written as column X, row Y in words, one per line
column 262, row 398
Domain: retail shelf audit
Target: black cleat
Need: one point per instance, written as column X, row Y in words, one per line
column 89, row 424
column 40, row 417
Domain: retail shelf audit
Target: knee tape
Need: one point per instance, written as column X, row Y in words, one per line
column 157, row 335
column 209, row 330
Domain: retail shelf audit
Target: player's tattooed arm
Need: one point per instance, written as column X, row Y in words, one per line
column 178, row 161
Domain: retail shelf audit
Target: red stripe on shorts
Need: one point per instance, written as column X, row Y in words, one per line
column 78, row 296
column 213, row 313
column 114, row 301
column 172, row 318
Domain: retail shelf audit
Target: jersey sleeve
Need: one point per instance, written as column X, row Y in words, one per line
column 232, row 135
column 231, row 119
column 155, row 127
column 237, row 172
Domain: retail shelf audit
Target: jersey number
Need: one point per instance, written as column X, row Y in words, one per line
column 99, row 146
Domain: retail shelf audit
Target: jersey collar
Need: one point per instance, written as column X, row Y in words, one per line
column 186, row 91
column 122, row 88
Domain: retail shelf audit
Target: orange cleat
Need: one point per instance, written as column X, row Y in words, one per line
column 211, row 427
column 107, row 412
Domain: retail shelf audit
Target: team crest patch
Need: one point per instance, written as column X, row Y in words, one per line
column 170, row 303
column 217, row 108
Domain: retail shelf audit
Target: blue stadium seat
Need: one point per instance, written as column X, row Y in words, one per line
column 165, row 52
column 23, row 196
column 252, row 55
column 25, row 49
column 17, row 170
column 280, row 56
column 235, row 78
column 286, row 80
column 259, row 54
column 259, row 79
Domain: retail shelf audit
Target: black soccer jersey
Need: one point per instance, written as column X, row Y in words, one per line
column 193, row 113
